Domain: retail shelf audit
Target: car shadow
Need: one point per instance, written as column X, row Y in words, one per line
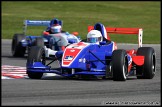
column 62, row 78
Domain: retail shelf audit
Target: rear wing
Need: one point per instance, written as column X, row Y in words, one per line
column 36, row 23
column 137, row 31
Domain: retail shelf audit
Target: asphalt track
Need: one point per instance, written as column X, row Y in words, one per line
column 56, row 90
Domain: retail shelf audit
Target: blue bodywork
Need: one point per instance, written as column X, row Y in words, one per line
column 48, row 41
column 90, row 61
column 82, row 58
column 29, row 40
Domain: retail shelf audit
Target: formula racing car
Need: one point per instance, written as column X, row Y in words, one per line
column 21, row 43
column 101, row 59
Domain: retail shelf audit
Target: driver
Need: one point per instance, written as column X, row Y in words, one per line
column 94, row 36
column 55, row 27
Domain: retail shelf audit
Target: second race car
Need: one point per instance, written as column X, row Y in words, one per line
column 54, row 37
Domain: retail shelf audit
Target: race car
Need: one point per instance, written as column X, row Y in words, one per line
column 103, row 59
column 21, row 43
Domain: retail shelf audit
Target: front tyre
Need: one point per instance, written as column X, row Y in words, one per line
column 36, row 54
column 146, row 71
column 119, row 65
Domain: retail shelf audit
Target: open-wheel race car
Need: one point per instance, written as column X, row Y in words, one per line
column 102, row 59
column 21, row 43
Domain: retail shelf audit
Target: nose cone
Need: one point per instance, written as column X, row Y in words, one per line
column 71, row 52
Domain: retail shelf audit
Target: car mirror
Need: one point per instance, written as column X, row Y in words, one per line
column 103, row 43
column 75, row 33
column 71, row 41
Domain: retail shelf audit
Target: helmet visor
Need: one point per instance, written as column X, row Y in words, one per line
column 94, row 39
column 55, row 30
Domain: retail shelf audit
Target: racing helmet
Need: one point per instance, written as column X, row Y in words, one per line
column 54, row 21
column 56, row 29
column 94, row 36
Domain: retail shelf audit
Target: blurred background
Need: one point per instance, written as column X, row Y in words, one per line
column 78, row 15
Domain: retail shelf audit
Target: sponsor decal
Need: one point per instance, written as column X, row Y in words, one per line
column 71, row 52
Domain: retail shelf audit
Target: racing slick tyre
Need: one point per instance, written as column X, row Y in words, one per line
column 119, row 65
column 36, row 54
column 17, row 49
column 146, row 71
column 39, row 42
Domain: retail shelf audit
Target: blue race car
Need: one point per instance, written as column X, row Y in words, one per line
column 101, row 59
column 21, row 43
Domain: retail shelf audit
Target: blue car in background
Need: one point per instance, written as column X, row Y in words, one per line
column 21, row 43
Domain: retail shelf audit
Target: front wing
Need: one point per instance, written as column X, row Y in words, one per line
column 39, row 67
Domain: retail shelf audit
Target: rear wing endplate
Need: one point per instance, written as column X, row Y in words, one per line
column 138, row 31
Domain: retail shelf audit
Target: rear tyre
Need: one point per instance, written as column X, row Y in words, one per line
column 39, row 42
column 36, row 54
column 146, row 71
column 119, row 65
column 17, row 49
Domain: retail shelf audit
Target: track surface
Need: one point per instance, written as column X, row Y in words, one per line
column 56, row 90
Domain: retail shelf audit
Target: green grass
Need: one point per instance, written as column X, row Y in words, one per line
column 77, row 15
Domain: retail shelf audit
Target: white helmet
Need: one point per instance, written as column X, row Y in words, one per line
column 94, row 36
column 56, row 29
